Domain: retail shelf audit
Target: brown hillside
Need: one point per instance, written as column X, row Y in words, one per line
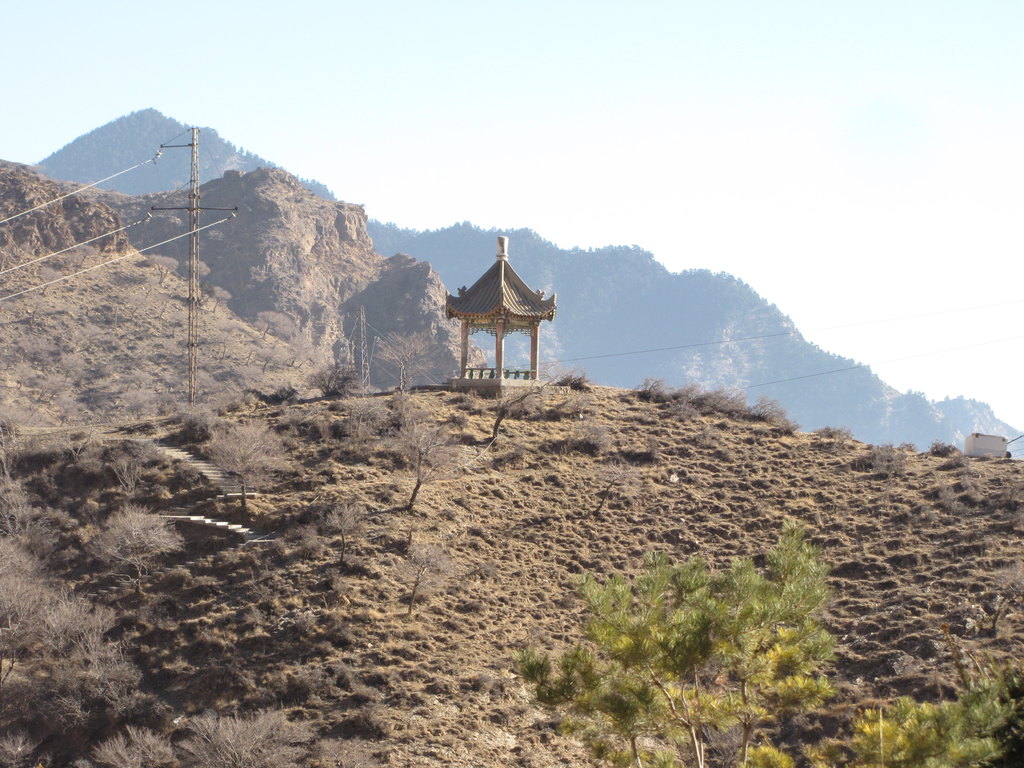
column 915, row 541
column 110, row 341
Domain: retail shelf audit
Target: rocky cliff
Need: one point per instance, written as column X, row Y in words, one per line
column 108, row 344
column 300, row 266
column 51, row 228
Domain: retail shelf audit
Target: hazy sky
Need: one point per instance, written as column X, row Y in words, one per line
column 853, row 161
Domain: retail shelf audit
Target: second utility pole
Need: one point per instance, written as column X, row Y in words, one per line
column 193, row 272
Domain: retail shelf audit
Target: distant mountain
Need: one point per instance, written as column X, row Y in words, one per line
column 623, row 317
column 135, row 138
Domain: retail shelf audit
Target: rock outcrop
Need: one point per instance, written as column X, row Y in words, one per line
column 300, row 266
column 110, row 343
column 53, row 227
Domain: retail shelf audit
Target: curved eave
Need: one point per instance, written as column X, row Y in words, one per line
column 497, row 312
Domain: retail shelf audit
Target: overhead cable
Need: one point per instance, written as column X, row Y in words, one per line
column 881, row 362
column 112, row 261
column 82, row 188
column 779, row 334
column 76, row 245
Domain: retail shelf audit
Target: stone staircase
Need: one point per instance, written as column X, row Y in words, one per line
column 228, row 489
column 247, row 534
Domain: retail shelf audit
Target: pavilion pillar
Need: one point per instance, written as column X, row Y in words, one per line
column 534, row 350
column 499, row 350
column 464, row 352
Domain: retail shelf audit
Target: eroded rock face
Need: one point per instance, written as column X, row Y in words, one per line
column 55, row 227
column 408, row 298
column 301, row 265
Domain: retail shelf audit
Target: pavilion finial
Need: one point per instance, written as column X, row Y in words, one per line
column 503, row 248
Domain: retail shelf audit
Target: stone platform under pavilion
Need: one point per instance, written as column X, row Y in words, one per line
column 499, row 303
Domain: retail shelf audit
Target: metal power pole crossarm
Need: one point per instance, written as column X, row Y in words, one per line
column 193, row 209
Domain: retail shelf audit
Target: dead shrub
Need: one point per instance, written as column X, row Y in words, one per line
column 263, row 740
column 591, row 439
column 943, row 450
column 576, row 380
column 655, row 391
column 771, row 412
column 884, row 460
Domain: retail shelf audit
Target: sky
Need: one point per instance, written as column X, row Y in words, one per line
column 859, row 163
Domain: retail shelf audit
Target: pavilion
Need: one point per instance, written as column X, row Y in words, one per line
column 499, row 303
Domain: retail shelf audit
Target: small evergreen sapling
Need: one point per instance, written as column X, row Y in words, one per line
column 681, row 654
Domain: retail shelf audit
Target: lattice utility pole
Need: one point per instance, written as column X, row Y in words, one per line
column 364, row 360
column 193, row 209
column 193, row 272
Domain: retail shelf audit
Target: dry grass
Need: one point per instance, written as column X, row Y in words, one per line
column 295, row 625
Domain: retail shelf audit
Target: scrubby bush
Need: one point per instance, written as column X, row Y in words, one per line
column 655, row 391
column 335, row 381
column 279, row 396
column 724, row 401
column 943, row 450
column 576, row 380
column 885, row 460
column 263, row 740
column 591, row 439
column 771, row 412
column 198, row 426
column 251, row 451
column 832, row 435
column 134, row 539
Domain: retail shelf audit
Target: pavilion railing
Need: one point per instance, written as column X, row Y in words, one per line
column 492, row 373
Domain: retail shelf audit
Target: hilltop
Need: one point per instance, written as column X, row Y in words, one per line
column 301, row 625
column 624, row 317
column 135, row 138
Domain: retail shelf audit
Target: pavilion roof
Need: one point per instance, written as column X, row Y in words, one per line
column 500, row 291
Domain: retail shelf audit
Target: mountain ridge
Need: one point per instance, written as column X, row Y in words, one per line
column 135, row 138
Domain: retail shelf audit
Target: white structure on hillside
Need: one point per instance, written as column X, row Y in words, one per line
column 978, row 444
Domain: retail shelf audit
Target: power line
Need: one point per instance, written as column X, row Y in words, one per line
column 883, row 362
column 112, row 261
column 779, row 334
column 76, row 245
column 82, row 188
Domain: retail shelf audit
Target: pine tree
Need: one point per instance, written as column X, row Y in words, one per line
column 681, row 653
